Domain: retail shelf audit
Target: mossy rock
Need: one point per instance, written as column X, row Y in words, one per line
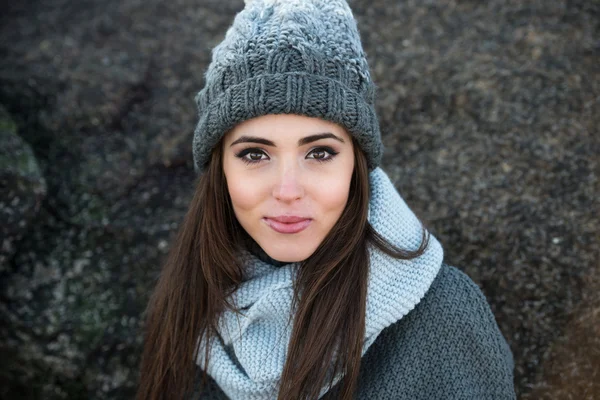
column 22, row 186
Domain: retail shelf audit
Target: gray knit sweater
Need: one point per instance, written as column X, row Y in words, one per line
column 448, row 347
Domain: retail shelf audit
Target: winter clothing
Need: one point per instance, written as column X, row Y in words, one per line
column 430, row 333
column 453, row 342
column 248, row 357
column 448, row 347
column 294, row 57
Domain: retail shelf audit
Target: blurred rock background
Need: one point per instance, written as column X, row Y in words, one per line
column 490, row 113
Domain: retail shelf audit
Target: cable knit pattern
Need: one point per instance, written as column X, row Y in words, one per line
column 247, row 359
column 289, row 57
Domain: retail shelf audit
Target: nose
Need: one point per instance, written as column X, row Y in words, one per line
column 288, row 186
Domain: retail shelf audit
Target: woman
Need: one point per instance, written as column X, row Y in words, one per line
column 299, row 272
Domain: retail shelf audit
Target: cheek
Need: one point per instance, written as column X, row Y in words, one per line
column 245, row 195
column 334, row 198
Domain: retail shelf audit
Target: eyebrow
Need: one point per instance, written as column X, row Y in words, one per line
column 301, row 142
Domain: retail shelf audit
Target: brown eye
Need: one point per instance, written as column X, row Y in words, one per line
column 255, row 156
column 322, row 154
column 252, row 155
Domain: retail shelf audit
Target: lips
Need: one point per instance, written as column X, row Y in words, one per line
column 288, row 223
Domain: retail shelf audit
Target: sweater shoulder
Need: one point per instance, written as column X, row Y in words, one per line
column 448, row 346
column 450, row 282
column 453, row 290
column 455, row 299
column 456, row 304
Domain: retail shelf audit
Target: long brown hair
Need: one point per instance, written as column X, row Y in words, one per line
column 201, row 271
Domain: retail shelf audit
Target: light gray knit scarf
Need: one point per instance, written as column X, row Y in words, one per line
column 247, row 358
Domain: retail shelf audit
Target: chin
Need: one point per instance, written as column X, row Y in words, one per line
column 285, row 255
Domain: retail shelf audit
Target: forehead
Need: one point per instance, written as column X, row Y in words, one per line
column 284, row 127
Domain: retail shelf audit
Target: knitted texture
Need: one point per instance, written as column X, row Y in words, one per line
column 448, row 347
column 248, row 357
column 289, row 57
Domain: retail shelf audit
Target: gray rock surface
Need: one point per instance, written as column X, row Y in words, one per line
column 22, row 187
column 490, row 115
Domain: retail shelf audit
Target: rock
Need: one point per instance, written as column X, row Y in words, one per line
column 22, row 187
column 74, row 309
column 489, row 114
column 570, row 365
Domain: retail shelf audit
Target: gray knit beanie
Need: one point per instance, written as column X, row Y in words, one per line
column 289, row 57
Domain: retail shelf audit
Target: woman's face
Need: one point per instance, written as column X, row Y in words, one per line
column 288, row 177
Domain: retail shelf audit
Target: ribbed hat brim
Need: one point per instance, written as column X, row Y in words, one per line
column 285, row 93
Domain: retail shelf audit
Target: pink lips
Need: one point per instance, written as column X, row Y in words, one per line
column 288, row 224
